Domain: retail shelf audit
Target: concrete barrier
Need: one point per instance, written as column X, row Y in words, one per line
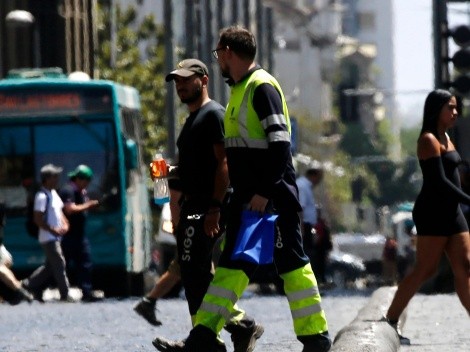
column 366, row 333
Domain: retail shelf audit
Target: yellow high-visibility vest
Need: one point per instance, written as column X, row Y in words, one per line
column 242, row 125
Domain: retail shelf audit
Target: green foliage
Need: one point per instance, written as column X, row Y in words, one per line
column 385, row 138
column 318, row 141
column 355, row 142
column 408, row 139
column 143, row 73
column 384, row 181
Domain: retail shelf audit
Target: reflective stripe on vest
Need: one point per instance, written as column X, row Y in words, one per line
column 243, row 129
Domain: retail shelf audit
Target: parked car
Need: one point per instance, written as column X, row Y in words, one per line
column 344, row 269
column 367, row 247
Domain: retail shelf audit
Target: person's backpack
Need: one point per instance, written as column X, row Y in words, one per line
column 31, row 227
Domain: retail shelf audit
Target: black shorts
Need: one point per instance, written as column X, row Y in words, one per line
column 438, row 221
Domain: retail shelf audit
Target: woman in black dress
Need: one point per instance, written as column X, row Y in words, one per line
column 440, row 223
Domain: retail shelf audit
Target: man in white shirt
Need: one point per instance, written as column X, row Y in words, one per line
column 53, row 224
column 305, row 184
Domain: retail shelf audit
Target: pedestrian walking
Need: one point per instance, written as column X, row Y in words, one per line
column 75, row 244
column 257, row 143
column 311, row 237
column 322, row 246
column 53, row 225
column 203, row 183
column 440, row 223
column 147, row 305
column 305, row 184
column 389, row 261
column 10, row 287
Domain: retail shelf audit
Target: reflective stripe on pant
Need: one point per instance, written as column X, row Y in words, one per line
column 304, row 299
column 235, row 318
column 218, row 305
column 232, row 277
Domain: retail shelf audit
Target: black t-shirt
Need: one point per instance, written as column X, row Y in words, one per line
column 196, row 161
column 69, row 194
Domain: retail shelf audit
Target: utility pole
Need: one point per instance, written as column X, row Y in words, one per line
column 246, row 14
column 270, row 38
column 441, row 47
column 189, row 28
column 234, row 11
column 169, row 59
column 260, row 25
column 221, row 24
column 209, row 40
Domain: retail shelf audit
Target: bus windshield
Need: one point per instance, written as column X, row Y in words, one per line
column 26, row 147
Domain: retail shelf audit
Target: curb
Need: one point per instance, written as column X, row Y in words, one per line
column 366, row 333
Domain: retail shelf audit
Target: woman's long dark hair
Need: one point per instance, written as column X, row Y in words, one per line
column 432, row 109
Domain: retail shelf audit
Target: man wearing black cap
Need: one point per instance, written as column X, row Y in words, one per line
column 203, row 183
column 53, row 225
column 75, row 244
column 258, row 147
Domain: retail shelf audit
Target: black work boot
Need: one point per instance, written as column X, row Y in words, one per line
column 316, row 343
column 244, row 334
column 146, row 309
column 165, row 345
column 201, row 339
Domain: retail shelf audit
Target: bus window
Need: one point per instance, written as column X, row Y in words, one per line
column 91, row 143
column 67, row 145
column 16, row 168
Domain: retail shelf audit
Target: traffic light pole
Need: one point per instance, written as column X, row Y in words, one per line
column 170, row 94
column 441, row 47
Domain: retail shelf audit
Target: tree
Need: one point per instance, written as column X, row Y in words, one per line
column 408, row 140
column 387, row 181
column 318, row 140
column 139, row 63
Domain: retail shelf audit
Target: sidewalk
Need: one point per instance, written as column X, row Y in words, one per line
column 432, row 322
column 437, row 323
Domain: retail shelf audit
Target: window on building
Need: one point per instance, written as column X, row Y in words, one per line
column 366, row 20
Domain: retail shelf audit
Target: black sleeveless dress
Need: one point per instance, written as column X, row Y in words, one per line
column 437, row 208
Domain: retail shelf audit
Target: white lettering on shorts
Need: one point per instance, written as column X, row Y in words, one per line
column 187, row 243
column 279, row 243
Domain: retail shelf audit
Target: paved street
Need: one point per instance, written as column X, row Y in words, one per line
column 113, row 326
column 437, row 323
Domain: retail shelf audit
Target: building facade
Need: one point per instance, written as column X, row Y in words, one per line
column 47, row 33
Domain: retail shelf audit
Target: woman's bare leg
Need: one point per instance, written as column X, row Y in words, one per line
column 458, row 252
column 429, row 251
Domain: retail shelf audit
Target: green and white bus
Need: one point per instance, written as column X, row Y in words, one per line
column 46, row 117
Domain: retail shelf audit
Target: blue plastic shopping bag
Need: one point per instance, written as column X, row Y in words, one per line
column 255, row 239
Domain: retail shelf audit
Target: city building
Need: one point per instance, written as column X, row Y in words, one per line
column 371, row 23
column 47, row 33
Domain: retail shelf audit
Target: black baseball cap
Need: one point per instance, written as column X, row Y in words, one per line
column 187, row 68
